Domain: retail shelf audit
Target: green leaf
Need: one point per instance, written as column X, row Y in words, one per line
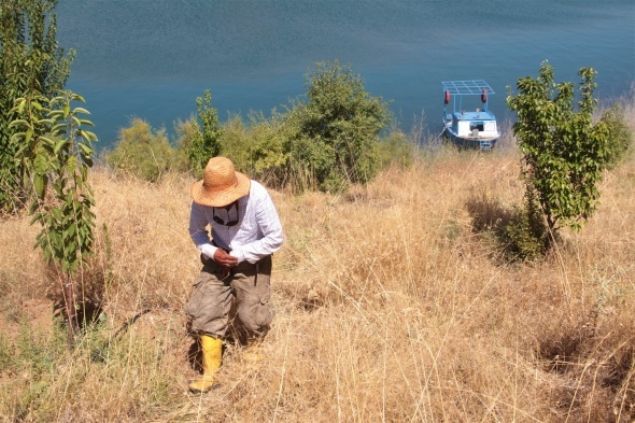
column 85, row 149
column 17, row 137
column 19, row 122
column 86, row 122
column 77, row 110
column 28, row 135
column 38, row 185
column 48, row 140
column 90, row 136
column 60, row 127
column 60, row 144
column 21, row 104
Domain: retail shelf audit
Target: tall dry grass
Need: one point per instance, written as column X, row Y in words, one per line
column 389, row 307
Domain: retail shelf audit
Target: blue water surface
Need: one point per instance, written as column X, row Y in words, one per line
column 152, row 58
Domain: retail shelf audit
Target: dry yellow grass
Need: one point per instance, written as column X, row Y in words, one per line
column 388, row 308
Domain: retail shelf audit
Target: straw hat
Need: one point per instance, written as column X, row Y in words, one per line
column 221, row 184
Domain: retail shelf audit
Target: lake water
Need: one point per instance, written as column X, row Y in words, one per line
column 152, row 58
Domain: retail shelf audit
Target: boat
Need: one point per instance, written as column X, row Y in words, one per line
column 469, row 129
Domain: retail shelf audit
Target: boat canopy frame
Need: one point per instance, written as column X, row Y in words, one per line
column 462, row 88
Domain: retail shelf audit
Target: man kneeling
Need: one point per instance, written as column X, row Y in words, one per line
column 246, row 231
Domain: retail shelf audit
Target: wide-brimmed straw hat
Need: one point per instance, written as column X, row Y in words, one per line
column 221, row 184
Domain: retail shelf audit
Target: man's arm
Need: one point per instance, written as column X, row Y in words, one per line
column 270, row 226
column 198, row 231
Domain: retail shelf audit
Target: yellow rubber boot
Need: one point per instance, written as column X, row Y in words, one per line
column 212, row 355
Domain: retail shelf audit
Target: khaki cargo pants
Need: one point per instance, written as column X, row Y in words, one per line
column 219, row 298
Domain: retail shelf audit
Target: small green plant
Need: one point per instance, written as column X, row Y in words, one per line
column 144, row 153
column 564, row 152
column 203, row 142
column 34, row 366
column 520, row 233
column 37, row 352
column 524, row 236
column 56, row 152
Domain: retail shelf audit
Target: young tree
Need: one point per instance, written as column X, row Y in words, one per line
column 55, row 149
column 564, row 151
column 337, row 129
column 30, row 62
column 204, row 143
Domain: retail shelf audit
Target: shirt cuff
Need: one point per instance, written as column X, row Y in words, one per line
column 238, row 253
column 208, row 249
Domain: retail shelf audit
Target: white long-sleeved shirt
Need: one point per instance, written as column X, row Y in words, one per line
column 257, row 234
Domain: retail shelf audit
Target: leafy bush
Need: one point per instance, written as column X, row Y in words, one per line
column 187, row 133
column 203, row 140
column 144, row 153
column 620, row 136
column 564, row 153
column 257, row 149
column 334, row 135
column 327, row 142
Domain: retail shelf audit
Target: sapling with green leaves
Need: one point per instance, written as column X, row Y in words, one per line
column 206, row 140
column 56, row 151
column 564, row 151
column 31, row 61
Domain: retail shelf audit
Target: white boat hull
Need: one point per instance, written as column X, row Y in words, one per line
column 484, row 142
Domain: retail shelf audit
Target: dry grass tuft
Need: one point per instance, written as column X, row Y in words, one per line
column 389, row 308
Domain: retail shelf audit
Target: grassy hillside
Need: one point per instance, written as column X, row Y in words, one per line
column 389, row 307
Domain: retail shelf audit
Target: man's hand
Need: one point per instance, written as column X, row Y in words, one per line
column 223, row 258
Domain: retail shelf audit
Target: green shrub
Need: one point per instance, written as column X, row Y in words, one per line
column 187, row 132
column 333, row 137
column 258, row 149
column 326, row 142
column 620, row 136
column 235, row 142
column 204, row 133
column 144, row 153
column 564, row 152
